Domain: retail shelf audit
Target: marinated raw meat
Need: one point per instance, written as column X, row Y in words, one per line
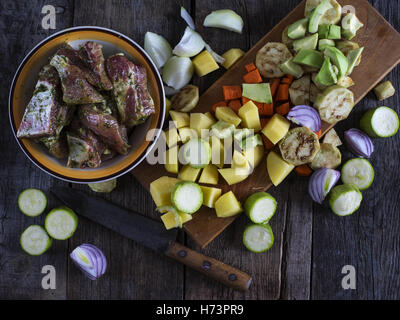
column 92, row 54
column 130, row 91
column 105, row 126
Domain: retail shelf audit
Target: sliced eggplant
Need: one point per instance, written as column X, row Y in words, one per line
column 300, row 91
column 333, row 138
column 328, row 156
column 270, row 57
column 186, row 99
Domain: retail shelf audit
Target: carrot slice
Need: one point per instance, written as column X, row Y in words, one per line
column 245, row 100
column 264, row 121
column 266, row 110
column 319, row 134
column 232, row 92
column 267, row 143
column 287, row 79
column 235, row 105
column 303, row 170
column 283, row 93
column 250, row 67
column 218, row 104
column 283, row 109
column 252, row 77
column 274, row 86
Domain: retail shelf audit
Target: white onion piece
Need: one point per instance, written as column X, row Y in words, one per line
column 190, row 45
column 177, row 72
column 90, row 260
column 224, row 19
column 158, row 48
column 187, row 17
column 215, row 55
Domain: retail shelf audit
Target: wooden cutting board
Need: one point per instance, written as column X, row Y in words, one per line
column 380, row 56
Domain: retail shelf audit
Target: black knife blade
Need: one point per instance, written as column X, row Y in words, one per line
column 143, row 230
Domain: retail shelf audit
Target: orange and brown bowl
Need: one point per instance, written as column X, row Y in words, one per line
column 24, row 82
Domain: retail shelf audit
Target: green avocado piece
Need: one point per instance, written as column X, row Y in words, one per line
column 310, row 58
column 326, row 76
column 350, row 26
column 309, row 42
column 317, row 14
column 352, row 59
column 335, row 32
column 323, row 43
column 298, row 29
column 289, row 67
column 338, row 59
column 323, row 31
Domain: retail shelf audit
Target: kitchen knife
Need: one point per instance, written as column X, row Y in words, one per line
column 151, row 234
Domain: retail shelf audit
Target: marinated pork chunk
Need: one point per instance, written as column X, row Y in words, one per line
column 39, row 119
column 130, row 90
column 92, row 54
column 105, row 126
column 74, row 80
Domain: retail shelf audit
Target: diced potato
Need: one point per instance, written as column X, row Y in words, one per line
column 181, row 119
column 172, row 137
column 255, row 155
column 210, row 196
column 250, row 116
column 227, row 205
column 238, row 160
column 170, row 220
column 199, row 121
column 384, row 90
column 235, row 175
column 171, row 162
column 217, row 152
column 185, row 217
column 186, row 134
column 278, row 169
column 231, row 57
column 228, row 115
column 204, row 63
column 210, row 116
column 167, row 107
column 276, row 128
column 161, row 189
column 188, row 173
column 209, row 175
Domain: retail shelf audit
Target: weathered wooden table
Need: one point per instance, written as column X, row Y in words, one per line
column 312, row 245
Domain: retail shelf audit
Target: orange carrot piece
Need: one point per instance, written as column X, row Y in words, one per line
column 319, row 134
column 232, row 92
column 250, row 67
column 263, row 122
column 287, row 79
column 303, row 170
column 252, row 77
column 283, row 109
column 274, row 86
column 267, row 143
column 283, row 93
column 245, row 100
column 235, row 105
column 267, row 109
column 218, row 104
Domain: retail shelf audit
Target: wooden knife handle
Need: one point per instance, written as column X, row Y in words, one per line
column 212, row 268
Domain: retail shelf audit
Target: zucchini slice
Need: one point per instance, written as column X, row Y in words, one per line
column 258, row 238
column 260, row 207
column 32, row 202
column 61, row 223
column 358, row 172
column 35, row 241
column 197, row 153
column 187, row 197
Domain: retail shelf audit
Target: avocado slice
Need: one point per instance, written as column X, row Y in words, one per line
column 317, row 14
column 326, row 76
column 323, row 31
column 338, row 59
column 298, row 29
column 350, row 26
column 352, row 58
column 335, row 32
column 310, row 58
column 289, row 67
column 323, row 43
column 309, row 42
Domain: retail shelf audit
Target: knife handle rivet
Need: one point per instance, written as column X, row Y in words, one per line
column 182, row 253
column 232, row 277
column 206, row 265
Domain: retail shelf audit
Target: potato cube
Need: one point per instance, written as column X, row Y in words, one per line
column 186, row 134
column 228, row 115
column 217, row 152
column 255, row 155
column 235, row 175
column 180, row 119
column 204, row 63
column 227, row 205
column 171, row 162
column 199, row 122
column 250, row 116
column 210, row 116
column 171, row 220
column 209, row 175
column 167, row 107
column 161, row 189
column 384, row 91
column 185, row 217
column 278, row 169
column 172, row 137
column 238, row 160
column 210, row 195
column 187, row 173
column 276, row 128
column 231, row 57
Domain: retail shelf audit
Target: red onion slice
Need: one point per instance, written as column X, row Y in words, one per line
column 321, row 182
column 305, row 116
column 359, row 143
column 90, row 260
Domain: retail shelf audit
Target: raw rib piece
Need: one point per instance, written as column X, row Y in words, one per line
column 92, row 54
column 74, row 80
column 39, row 119
column 133, row 99
column 105, row 126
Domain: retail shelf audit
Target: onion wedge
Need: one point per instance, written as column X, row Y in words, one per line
column 224, row 19
column 190, row 45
